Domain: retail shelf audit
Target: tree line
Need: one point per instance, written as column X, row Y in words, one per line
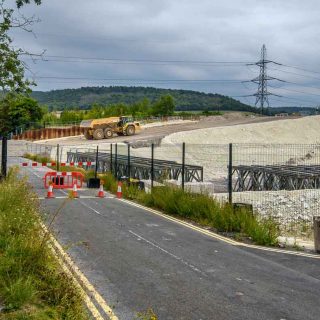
column 185, row 100
column 164, row 106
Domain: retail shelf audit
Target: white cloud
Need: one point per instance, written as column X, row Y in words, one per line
column 175, row 30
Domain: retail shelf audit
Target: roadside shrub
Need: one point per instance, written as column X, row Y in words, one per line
column 110, row 182
column 208, row 212
column 37, row 158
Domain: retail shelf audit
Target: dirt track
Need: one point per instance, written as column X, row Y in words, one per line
column 157, row 133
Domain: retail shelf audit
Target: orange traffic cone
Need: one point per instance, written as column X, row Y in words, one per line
column 75, row 191
column 119, row 191
column 101, row 192
column 50, row 192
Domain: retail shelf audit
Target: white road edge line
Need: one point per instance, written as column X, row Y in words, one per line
column 191, row 266
column 219, row 237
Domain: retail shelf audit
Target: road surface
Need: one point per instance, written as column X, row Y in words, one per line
column 137, row 260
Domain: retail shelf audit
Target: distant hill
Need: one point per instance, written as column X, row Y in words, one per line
column 291, row 110
column 185, row 99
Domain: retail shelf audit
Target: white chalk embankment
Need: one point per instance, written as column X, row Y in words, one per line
column 292, row 131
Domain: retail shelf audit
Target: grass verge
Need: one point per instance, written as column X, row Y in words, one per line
column 37, row 158
column 32, row 284
column 204, row 210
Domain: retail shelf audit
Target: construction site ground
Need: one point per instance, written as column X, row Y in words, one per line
column 156, row 133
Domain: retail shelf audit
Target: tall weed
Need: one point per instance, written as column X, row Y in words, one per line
column 32, row 285
column 202, row 209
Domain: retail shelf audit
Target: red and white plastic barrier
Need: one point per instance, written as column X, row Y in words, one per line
column 63, row 164
column 63, row 180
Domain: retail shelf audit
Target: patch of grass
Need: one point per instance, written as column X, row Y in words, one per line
column 37, row 158
column 202, row 209
column 148, row 315
column 32, row 284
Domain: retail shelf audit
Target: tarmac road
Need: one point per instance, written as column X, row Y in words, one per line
column 139, row 260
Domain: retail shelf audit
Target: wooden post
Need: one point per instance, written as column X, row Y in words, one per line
column 316, row 230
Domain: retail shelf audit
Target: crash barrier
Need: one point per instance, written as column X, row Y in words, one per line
column 63, row 164
column 63, row 180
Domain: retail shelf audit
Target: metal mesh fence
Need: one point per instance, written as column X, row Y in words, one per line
column 279, row 181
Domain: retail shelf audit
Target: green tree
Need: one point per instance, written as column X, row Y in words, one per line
column 18, row 110
column 97, row 111
column 20, row 3
column 49, row 117
column 14, row 110
column 165, row 106
column 71, row 116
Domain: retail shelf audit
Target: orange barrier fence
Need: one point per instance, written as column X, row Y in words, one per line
column 63, row 180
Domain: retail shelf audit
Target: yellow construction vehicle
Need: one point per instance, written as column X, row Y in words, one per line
column 105, row 128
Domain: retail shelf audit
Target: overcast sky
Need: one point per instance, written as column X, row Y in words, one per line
column 178, row 40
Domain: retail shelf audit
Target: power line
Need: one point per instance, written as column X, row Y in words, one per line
column 299, row 68
column 288, row 102
column 144, row 60
column 292, row 90
column 65, row 35
column 126, row 61
column 294, row 73
column 298, row 99
column 138, row 80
